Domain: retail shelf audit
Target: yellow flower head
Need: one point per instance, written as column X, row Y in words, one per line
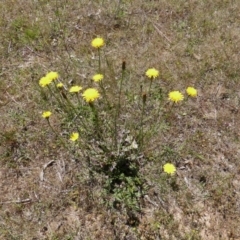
column 175, row 96
column 192, row 92
column 97, row 77
column 44, row 81
column 46, row 114
column 52, row 76
column 74, row 136
column 59, row 85
column 75, row 89
column 91, row 94
column 169, row 168
column 97, row 42
column 152, row 73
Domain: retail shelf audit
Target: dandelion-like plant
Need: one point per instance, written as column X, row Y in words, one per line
column 74, row 136
column 169, row 168
column 152, row 73
column 97, row 42
column 48, row 78
column 75, row 89
column 44, row 81
column 191, row 91
column 90, row 95
column 105, row 124
column 175, row 96
column 46, row 114
column 97, row 77
column 52, row 76
column 59, row 85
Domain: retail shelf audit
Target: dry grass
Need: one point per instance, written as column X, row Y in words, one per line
column 192, row 43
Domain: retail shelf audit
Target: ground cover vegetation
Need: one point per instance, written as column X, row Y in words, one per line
column 119, row 119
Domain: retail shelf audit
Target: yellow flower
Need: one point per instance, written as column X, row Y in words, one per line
column 175, row 96
column 152, row 73
column 191, row 91
column 169, row 168
column 91, row 94
column 52, row 76
column 59, row 85
column 75, row 89
column 74, row 136
column 97, row 42
column 44, row 81
column 46, row 114
column 97, row 77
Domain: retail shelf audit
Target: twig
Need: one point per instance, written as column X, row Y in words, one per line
column 158, row 30
column 149, row 200
column 18, row 201
column 161, row 33
column 43, row 169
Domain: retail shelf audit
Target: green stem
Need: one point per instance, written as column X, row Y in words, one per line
column 62, row 98
column 117, row 114
column 99, row 60
column 104, row 94
column 57, row 135
column 120, row 91
column 54, row 95
column 141, row 124
column 95, row 119
column 151, row 80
